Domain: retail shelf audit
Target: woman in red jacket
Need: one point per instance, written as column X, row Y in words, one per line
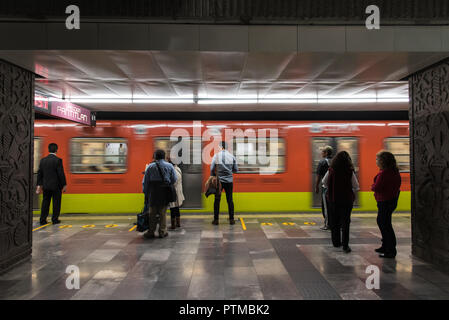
column 386, row 191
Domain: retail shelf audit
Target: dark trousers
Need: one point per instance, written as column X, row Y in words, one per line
column 48, row 195
column 384, row 214
column 324, row 206
column 228, row 189
column 174, row 212
column 339, row 221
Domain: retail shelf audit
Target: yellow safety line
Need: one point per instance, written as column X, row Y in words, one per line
column 249, row 216
column 243, row 224
column 41, row 227
column 133, row 228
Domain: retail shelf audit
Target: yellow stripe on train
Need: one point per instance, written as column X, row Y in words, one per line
column 244, row 202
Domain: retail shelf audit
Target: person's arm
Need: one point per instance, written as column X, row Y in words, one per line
column 319, row 177
column 40, row 178
column 378, row 183
column 212, row 167
column 355, row 182
column 61, row 175
column 234, row 166
column 173, row 177
column 326, row 180
column 317, row 183
column 146, row 182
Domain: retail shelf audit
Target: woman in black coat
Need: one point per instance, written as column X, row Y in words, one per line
column 342, row 184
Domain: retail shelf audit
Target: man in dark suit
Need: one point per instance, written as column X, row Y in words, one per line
column 51, row 179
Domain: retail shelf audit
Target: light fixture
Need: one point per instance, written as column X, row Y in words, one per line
column 226, row 101
column 236, row 101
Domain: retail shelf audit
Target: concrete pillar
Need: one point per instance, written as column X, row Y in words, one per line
column 16, row 164
column 429, row 133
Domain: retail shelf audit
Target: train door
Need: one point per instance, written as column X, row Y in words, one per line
column 317, row 143
column 192, row 175
column 349, row 144
column 37, row 159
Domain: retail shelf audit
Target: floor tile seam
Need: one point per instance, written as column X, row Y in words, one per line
column 305, row 261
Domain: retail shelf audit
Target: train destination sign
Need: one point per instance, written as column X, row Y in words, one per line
column 64, row 110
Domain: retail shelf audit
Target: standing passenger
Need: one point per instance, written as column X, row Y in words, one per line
column 386, row 191
column 158, row 175
column 174, row 206
column 323, row 166
column 341, row 183
column 51, row 179
column 226, row 165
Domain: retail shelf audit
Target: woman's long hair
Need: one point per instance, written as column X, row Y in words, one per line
column 387, row 160
column 342, row 163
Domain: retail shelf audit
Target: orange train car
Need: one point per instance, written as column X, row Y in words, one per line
column 277, row 161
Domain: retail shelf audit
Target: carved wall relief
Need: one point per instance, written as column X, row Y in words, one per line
column 16, row 152
column 429, row 116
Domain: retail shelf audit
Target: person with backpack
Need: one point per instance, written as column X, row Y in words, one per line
column 323, row 166
column 386, row 189
column 341, row 182
column 159, row 177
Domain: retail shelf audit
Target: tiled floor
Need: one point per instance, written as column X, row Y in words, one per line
column 274, row 258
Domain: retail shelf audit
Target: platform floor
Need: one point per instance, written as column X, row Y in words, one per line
column 266, row 258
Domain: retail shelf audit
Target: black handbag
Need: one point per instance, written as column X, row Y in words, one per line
column 169, row 190
column 143, row 222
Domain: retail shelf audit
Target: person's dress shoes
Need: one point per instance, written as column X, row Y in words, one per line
column 347, row 250
column 43, row 223
column 163, row 235
column 380, row 250
column 232, row 221
column 148, row 235
column 56, row 221
column 215, row 222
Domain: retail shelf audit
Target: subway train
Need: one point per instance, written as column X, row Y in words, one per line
column 277, row 160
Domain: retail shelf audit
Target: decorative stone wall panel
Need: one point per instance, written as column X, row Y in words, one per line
column 429, row 116
column 16, row 160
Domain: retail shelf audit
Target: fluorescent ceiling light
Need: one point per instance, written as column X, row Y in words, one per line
column 226, row 101
column 393, row 100
column 174, row 101
column 307, row 100
column 346, row 100
column 87, row 100
column 237, row 101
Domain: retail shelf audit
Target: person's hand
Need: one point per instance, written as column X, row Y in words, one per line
column 317, row 189
column 38, row 189
column 64, row 189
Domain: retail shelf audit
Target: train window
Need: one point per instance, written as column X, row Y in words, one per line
column 317, row 144
column 37, row 153
column 400, row 147
column 256, row 157
column 98, row 155
column 350, row 145
column 194, row 148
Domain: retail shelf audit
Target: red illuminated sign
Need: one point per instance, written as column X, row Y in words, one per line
column 65, row 110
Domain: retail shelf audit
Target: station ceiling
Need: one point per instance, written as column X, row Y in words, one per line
column 122, row 80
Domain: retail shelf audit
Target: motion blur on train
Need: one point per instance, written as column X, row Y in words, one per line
column 104, row 164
